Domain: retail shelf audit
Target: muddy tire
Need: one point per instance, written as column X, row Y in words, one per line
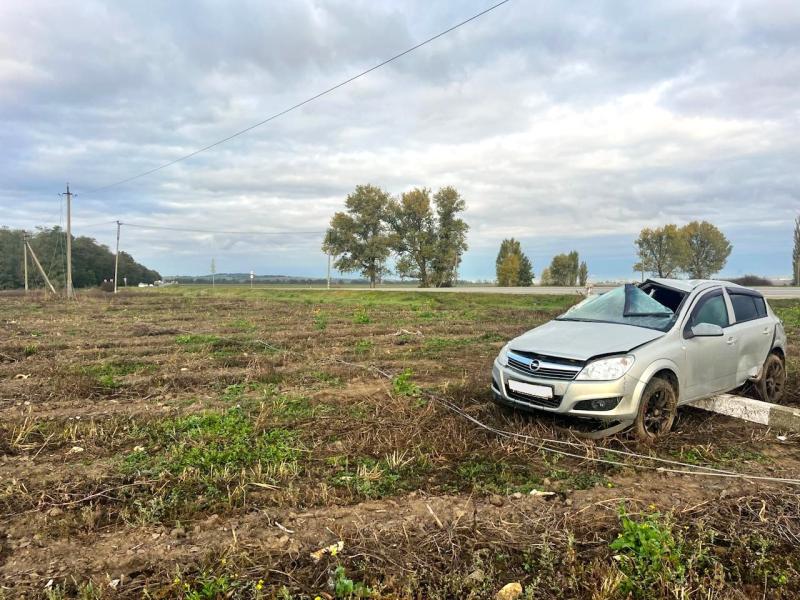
column 657, row 409
column 772, row 384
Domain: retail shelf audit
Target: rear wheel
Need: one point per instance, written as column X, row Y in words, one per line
column 773, row 379
column 657, row 409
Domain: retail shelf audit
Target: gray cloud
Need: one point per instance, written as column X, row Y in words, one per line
column 566, row 125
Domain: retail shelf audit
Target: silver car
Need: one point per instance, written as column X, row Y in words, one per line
column 631, row 356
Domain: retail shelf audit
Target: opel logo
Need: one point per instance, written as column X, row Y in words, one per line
column 534, row 365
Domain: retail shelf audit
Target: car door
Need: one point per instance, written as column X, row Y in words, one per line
column 753, row 331
column 711, row 362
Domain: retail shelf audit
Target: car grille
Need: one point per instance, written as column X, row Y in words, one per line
column 553, row 402
column 546, row 367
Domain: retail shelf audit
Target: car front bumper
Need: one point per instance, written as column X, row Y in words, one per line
column 568, row 394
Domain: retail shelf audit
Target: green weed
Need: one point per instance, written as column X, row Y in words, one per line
column 363, row 346
column 320, row 321
column 361, row 317
column 649, row 555
column 345, row 588
column 404, row 386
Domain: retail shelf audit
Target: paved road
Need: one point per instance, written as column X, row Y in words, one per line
column 769, row 292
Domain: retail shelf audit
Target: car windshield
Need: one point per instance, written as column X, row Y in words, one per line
column 627, row 305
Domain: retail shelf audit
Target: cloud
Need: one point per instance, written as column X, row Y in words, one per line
column 563, row 125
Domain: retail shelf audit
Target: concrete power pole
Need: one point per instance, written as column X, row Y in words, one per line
column 41, row 270
column 25, row 260
column 70, row 290
column 329, row 271
column 116, row 260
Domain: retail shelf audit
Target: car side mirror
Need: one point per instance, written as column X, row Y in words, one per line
column 706, row 330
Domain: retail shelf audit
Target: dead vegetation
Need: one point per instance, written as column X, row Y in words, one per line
column 192, row 444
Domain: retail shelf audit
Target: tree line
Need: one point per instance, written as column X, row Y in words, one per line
column 92, row 263
column 422, row 230
column 698, row 250
column 514, row 269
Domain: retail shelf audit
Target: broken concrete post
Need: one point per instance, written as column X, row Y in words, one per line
column 780, row 417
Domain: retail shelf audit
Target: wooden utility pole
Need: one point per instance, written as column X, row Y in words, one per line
column 70, row 290
column 25, row 259
column 41, row 270
column 116, row 260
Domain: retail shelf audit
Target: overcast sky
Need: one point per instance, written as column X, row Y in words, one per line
column 564, row 124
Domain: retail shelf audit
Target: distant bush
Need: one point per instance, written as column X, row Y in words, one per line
column 751, row 280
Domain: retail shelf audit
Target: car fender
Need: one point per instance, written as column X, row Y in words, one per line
column 652, row 369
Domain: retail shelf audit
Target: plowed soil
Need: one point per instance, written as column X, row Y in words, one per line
column 198, row 443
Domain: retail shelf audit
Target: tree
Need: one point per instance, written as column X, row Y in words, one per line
column 414, row 235
column 564, row 269
column 524, row 274
column 546, row 278
column 583, row 274
column 508, row 271
column 661, row 251
column 452, row 236
column 796, row 253
column 707, row 249
column 359, row 238
column 91, row 262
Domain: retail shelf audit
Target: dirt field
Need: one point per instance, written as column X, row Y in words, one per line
column 185, row 443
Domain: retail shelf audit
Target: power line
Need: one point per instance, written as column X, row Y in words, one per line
column 304, row 102
column 190, row 230
column 96, row 224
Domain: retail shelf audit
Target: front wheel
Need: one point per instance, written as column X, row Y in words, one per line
column 772, row 384
column 657, row 409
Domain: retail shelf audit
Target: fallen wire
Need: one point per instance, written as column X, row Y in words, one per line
column 541, row 444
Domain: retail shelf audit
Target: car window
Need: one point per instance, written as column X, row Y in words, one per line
column 745, row 308
column 626, row 305
column 711, row 309
column 761, row 306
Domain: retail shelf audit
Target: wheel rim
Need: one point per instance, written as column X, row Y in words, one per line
column 774, row 380
column 658, row 413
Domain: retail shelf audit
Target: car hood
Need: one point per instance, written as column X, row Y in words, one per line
column 583, row 340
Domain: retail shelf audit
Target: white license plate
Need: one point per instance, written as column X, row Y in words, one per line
column 538, row 391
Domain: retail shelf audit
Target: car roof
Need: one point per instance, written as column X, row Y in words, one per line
column 688, row 285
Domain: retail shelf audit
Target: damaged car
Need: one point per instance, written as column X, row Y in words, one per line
column 632, row 355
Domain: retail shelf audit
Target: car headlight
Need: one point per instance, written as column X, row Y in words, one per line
column 606, row 369
column 502, row 358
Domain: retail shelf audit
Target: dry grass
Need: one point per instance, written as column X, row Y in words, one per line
column 186, row 442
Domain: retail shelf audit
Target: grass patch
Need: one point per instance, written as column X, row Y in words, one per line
column 196, row 341
column 106, row 374
column 497, row 477
column 211, row 452
column 243, row 325
column 370, row 478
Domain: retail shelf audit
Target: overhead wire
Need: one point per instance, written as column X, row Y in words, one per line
column 302, row 103
column 219, row 231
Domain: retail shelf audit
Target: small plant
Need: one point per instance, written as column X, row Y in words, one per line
column 345, row 588
column 31, row 349
column 233, row 393
column 649, row 555
column 363, row 346
column 320, row 321
column 404, row 386
column 361, row 317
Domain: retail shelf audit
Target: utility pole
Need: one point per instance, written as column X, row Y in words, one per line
column 25, row 260
column 70, row 290
column 41, row 270
column 329, row 270
column 116, row 260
